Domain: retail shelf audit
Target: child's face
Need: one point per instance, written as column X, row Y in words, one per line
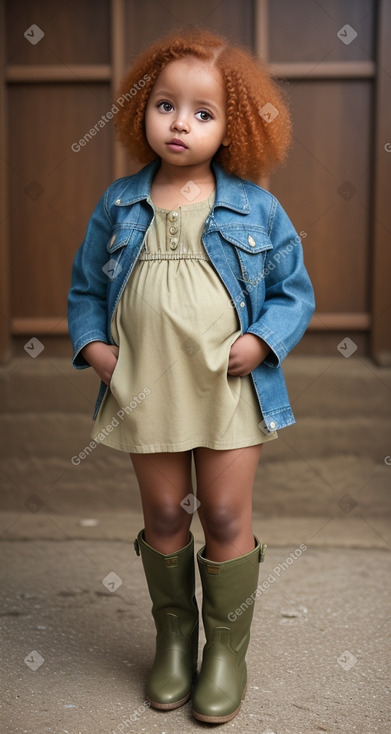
column 187, row 105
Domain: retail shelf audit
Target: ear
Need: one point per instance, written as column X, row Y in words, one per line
column 226, row 141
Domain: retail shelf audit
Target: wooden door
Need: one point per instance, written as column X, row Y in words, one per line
column 62, row 66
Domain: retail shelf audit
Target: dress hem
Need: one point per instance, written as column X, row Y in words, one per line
column 169, row 448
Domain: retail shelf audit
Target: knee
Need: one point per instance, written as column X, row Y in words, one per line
column 167, row 519
column 221, row 524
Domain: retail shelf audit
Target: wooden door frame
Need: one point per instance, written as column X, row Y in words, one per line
column 380, row 336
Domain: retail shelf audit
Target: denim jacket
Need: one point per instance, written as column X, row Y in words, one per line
column 252, row 246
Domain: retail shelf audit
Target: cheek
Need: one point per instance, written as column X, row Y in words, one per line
column 213, row 139
column 151, row 125
column 207, row 137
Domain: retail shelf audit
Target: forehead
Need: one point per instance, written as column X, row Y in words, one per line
column 191, row 75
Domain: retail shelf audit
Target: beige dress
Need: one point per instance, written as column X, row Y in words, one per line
column 174, row 325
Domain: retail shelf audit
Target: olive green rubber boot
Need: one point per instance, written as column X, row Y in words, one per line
column 227, row 611
column 171, row 584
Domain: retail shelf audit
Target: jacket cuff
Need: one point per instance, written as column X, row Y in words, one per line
column 78, row 360
column 277, row 352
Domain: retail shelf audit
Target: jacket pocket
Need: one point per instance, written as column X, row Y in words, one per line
column 119, row 238
column 115, row 248
column 250, row 246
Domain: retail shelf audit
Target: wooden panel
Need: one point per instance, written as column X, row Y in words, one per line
column 58, row 73
column 147, row 21
column 53, row 326
column 332, row 321
column 305, row 30
column 118, row 45
column 72, row 31
column 53, row 189
column 325, row 188
column 54, row 346
column 325, row 343
column 324, row 70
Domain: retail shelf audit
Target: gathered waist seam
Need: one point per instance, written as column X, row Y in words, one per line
column 173, row 256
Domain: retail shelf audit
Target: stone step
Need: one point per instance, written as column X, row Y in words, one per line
column 343, row 485
column 318, row 387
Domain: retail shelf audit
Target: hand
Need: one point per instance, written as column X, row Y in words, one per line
column 102, row 357
column 247, row 352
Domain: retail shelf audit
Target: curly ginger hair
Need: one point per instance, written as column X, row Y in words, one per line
column 259, row 140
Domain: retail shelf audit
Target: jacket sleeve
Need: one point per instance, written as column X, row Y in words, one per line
column 87, row 310
column 289, row 296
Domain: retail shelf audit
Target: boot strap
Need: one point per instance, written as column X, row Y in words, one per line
column 136, row 546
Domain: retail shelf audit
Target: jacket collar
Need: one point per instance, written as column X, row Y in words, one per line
column 230, row 190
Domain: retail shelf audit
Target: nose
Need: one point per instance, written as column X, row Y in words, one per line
column 180, row 123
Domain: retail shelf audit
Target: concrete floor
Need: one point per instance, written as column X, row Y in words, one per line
column 76, row 655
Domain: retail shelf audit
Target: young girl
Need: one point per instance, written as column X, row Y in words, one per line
column 187, row 293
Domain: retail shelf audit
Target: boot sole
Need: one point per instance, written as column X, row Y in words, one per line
column 169, row 706
column 219, row 719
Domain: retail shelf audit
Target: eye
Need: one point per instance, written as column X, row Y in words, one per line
column 204, row 115
column 165, row 106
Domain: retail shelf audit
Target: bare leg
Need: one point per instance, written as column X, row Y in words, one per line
column 224, row 488
column 164, row 480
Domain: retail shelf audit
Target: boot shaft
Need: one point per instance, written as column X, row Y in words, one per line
column 171, row 582
column 229, row 593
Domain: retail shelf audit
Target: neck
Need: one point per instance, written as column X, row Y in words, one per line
column 179, row 185
column 172, row 175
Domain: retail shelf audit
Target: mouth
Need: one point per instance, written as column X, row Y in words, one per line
column 176, row 144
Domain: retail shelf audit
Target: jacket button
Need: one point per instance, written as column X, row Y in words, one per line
column 250, row 241
column 173, row 216
column 118, row 201
column 242, row 305
column 173, row 230
column 272, row 424
column 173, row 244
